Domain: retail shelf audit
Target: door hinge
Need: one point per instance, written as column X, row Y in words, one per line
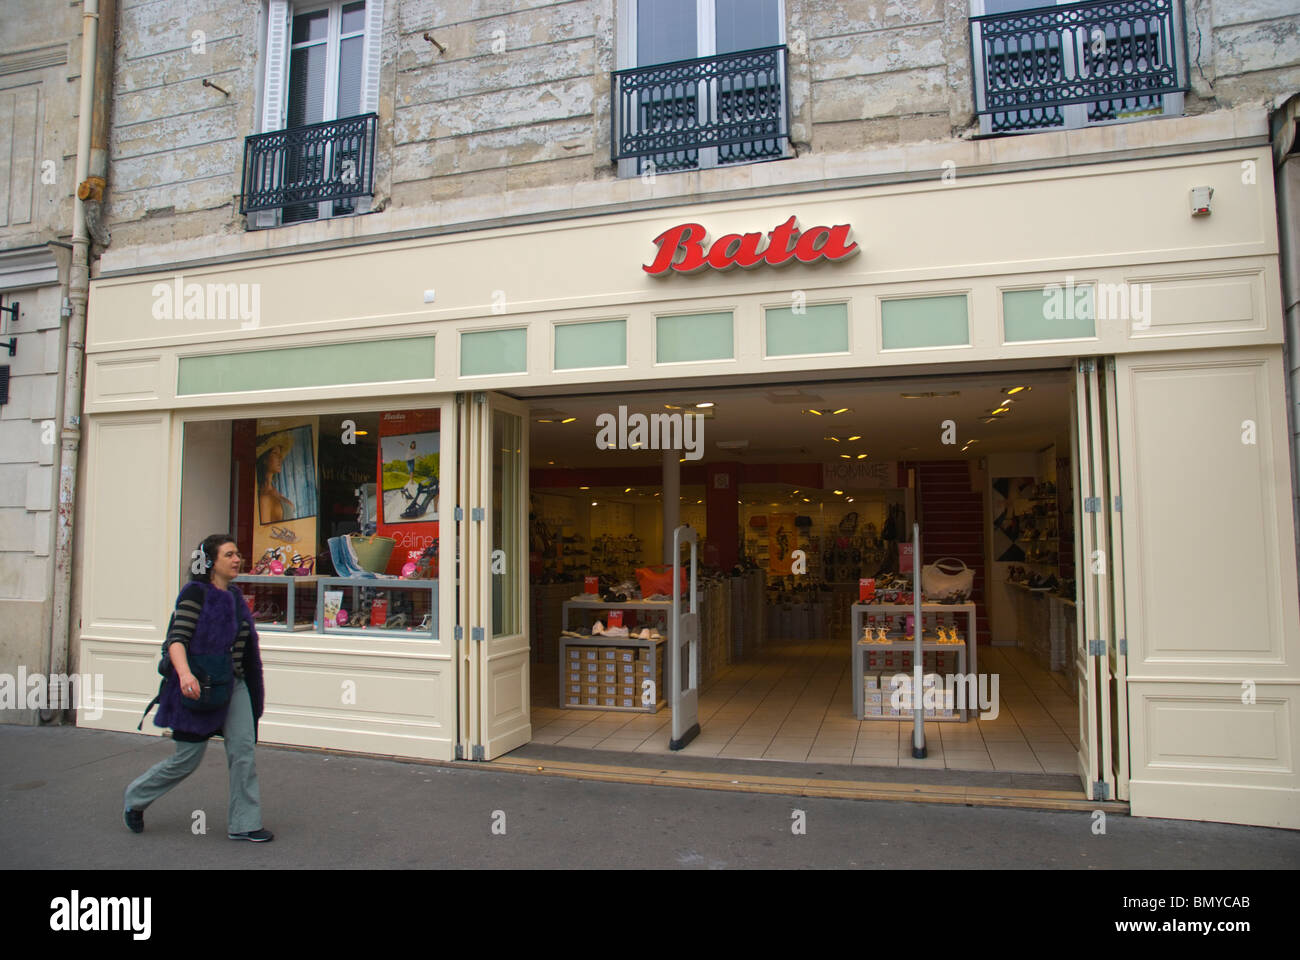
column 1119, row 504
column 477, row 514
column 478, row 753
column 459, row 514
column 1123, row 646
column 460, row 755
column 476, row 634
column 1100, row 790
column 460, row 633
column 1087, row 366
column 1096, row 648
column 1092, row 504
column 480, row 398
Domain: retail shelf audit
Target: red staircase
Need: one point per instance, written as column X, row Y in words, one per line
column 952, row 524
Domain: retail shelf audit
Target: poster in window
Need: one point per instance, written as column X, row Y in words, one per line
column 286, row 500
column 409, row 493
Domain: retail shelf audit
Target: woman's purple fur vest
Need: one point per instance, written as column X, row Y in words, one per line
column 215, row 632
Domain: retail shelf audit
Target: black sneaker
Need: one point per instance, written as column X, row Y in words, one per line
column 134, row 820
column 257, row 836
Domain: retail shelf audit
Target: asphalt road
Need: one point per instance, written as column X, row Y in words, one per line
column 61, row 808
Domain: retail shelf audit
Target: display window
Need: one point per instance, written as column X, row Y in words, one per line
column 337, row 516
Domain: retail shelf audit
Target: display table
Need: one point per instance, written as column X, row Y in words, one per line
column 966, row 652
column 608, row 649
column 290, row 585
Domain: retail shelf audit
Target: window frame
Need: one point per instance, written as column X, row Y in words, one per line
column 706, row 45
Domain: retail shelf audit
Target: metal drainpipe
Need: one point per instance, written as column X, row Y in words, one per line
column 1283, row 128
column 78, row 293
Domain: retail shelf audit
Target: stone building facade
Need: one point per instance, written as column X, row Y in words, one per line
column 39, row 80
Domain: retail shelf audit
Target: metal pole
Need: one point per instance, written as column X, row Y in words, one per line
column 918, row 713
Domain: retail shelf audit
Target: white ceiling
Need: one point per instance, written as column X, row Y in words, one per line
column 773, row 421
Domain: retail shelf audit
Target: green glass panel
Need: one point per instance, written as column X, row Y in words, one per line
column 1053, row 313
column 323, row 365
column 924, row 322
column 694, row 337
column 822, row 328
column 494, row 351
column 602, row 344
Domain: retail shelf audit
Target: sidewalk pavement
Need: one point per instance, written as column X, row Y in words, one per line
column 61, row 808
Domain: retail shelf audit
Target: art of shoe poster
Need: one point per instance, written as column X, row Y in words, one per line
column 286, row 498
column 407, row 470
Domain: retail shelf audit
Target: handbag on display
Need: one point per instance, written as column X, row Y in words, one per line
column 947, row 579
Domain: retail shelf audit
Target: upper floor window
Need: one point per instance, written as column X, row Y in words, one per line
column 315, row 155
column 703, row 83
column 1040, row 65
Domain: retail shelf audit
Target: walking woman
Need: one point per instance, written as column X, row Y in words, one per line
column 211, row 618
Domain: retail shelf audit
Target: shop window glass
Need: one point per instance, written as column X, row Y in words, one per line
column 319, row 504
column 507, row 530
column 693, row 338
column 601, row 344
column 924, row 322
column 1052, row 313
column 817, row 329
column 494, row 351
column 324, row 365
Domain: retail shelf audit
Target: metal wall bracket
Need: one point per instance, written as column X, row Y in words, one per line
column 1088, row 366
column 1096, row 648
column 478, row 753
column 1092, row 504
column 1100, row 790
column 460, row 633
column 477, row 514
column 459, row 754
column 460, row 514
column 1123, row 646
column 477, row 634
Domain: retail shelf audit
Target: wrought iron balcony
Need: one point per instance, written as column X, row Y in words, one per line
column 733, row 107
column 334, row 160
column 1119, row 57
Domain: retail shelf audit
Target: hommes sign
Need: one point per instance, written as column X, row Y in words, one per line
column 682, row 248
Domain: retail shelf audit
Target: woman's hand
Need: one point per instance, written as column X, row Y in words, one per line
column 189, row 686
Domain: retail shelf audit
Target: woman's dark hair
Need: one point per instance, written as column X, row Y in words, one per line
column 208, row 551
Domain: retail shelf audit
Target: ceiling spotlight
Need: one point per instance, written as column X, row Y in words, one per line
column 850, row 499
column 988, row 419
column 862, row 456
column 704, row 406
column 545, row 420
column 839, row 493
column 568, row 420
column 806, row 500
column 1012, row 391
column 627, row 489
column 815, row 412
column 836, row 439
column 593, row 503
column 845, row 456
column 839, row 411
column 851, row 439
column 584, row 488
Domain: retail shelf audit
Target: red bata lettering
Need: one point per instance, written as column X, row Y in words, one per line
column 681, row 248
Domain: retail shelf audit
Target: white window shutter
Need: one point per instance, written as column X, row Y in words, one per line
column 277, row 57
column 370, row 74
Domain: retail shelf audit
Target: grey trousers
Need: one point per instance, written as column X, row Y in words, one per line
column 245, row 801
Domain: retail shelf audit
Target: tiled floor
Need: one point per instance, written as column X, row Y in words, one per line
column 793, row 701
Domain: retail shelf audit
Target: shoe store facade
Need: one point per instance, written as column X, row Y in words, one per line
column 394, row 388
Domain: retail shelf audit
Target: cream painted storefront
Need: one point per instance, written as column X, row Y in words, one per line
column 1192, row 645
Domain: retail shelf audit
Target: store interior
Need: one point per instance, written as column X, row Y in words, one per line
column 803, row 498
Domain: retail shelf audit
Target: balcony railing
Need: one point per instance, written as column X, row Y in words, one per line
column 733, row 105
column 334, row 160
column 1119, row 57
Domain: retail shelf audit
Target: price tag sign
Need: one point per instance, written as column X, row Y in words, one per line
column 866, row 590
column 591, row 584
column 615, row 618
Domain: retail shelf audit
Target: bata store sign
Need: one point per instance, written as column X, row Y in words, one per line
column 684, row 248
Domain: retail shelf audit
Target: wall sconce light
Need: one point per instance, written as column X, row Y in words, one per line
column 441, row 49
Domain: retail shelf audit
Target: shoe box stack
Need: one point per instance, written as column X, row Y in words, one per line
column 612, row 677
column 747, row 619
column 715, row 621
column 878, row 691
